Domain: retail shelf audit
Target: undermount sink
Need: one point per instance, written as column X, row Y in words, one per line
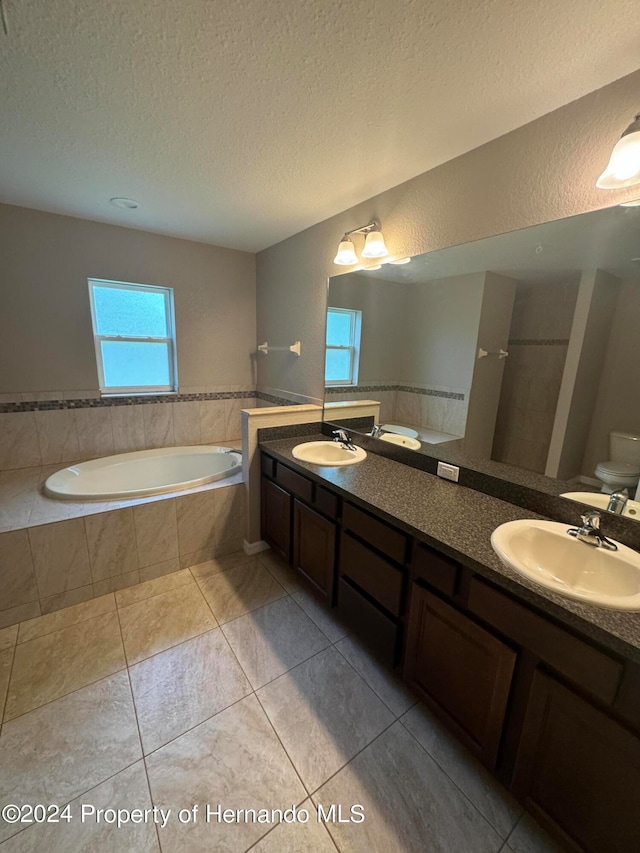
column 601, row 501
column 544, row 552
column 327, row 453
column 402, row 440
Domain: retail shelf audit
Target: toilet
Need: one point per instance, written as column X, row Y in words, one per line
column 622, row 471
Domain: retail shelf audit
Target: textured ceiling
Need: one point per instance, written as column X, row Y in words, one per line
column 243, row 123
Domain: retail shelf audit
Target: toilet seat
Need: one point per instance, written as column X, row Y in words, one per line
column 618, row 469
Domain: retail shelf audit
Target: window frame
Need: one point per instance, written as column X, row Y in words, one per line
column 169, row 341
column 353, row 347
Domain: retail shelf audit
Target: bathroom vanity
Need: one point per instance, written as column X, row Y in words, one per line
column 544, row 690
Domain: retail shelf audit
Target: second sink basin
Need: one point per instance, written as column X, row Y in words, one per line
column 327, row 453
column 402, row 440
column 601, row 501
column 544, row 552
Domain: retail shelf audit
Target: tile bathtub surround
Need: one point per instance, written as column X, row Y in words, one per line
column 52, row 566
column 55, row 431
column 330, row 716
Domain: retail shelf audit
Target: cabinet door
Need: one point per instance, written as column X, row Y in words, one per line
column 276, row 518
column 460, row 668
column 579, row 770
column 314, row 548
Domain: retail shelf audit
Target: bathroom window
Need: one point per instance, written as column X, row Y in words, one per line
column 343, row 346
column 134, row 333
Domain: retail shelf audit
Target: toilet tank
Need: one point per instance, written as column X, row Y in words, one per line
column 624, row 446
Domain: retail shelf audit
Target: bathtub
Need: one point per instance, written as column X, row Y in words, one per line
column 143, row 473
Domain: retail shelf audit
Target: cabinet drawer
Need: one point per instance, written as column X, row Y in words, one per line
column 382, row 536
column 375, row 575
column 578, row 661
column 267, row 465
column 325, row 502
column 436, row 569
column 381, row 632
column 294, row 483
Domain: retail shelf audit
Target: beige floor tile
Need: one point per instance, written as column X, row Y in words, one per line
column 116, row 582
column 56, row 752
column 386, row 684
column 59, row 663
column 486, row 794
column 126, row 790
column 283, row 573
column 234, row 758
column 325, row 618
column 529, row 837
column 177, row 689
column 324, row 714
column 410, row 805
column 64, row 618
column 148, row 589
column 273, row 639
column 299, row 837
column 158, row 623
column 6, row 659
column 239, row 590
column 220, row 564
column 13, row 615
column 64, row 600
column 8, row 637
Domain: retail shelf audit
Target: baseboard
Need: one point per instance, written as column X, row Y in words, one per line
column 252, row 548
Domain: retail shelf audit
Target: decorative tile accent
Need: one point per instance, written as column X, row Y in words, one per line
column 57, row 401
column 331, row 390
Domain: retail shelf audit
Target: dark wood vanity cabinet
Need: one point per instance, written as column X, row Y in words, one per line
column 578, row 770
column 314, row 549
column 555, row 716
column 461, row 668
column 276, row 506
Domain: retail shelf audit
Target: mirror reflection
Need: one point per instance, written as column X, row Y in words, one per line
column 521, row 349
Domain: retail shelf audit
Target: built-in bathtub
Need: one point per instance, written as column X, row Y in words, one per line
column 143, row 473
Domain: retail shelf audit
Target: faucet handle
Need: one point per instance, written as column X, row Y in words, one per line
column 591, row 519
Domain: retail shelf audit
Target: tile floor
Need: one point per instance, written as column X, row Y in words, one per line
column 229, row 683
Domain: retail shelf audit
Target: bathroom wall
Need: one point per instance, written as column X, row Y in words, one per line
column 543, row 171
column 46, row 340
column 588, row 342
column 617, row 405
column 537, row 345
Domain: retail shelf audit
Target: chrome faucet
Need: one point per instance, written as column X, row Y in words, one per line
column 343, row 437
column 376, row 431
column 618, row 501
column 590, row 533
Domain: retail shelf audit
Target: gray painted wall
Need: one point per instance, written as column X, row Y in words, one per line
column 543, row 171
column 46, row 339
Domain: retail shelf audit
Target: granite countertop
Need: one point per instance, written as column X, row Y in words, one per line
column 459, row 522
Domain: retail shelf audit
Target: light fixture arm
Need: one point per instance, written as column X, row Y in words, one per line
column 374, row 225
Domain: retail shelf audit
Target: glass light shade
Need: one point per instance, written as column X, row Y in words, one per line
column 374, row 246
column 401, row 261
column 623, row 169
column 346, row 255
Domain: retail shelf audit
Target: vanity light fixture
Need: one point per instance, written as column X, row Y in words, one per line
column 374, row 246
column 623, row 169
column 400, row 262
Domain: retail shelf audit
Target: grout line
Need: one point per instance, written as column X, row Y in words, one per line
column 464, row 794
column 6, row 697
column 135, row 713
column 155, row 594
column 71, row 624
column 284, row 749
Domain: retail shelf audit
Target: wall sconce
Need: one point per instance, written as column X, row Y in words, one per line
column 374, row 246
column 623, row 169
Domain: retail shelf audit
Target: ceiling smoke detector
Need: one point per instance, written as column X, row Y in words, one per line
column 125, row 203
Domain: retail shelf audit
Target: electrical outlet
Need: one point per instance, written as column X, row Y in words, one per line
column 448, row 472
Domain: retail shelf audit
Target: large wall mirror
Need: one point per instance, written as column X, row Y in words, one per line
column 521, row 349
